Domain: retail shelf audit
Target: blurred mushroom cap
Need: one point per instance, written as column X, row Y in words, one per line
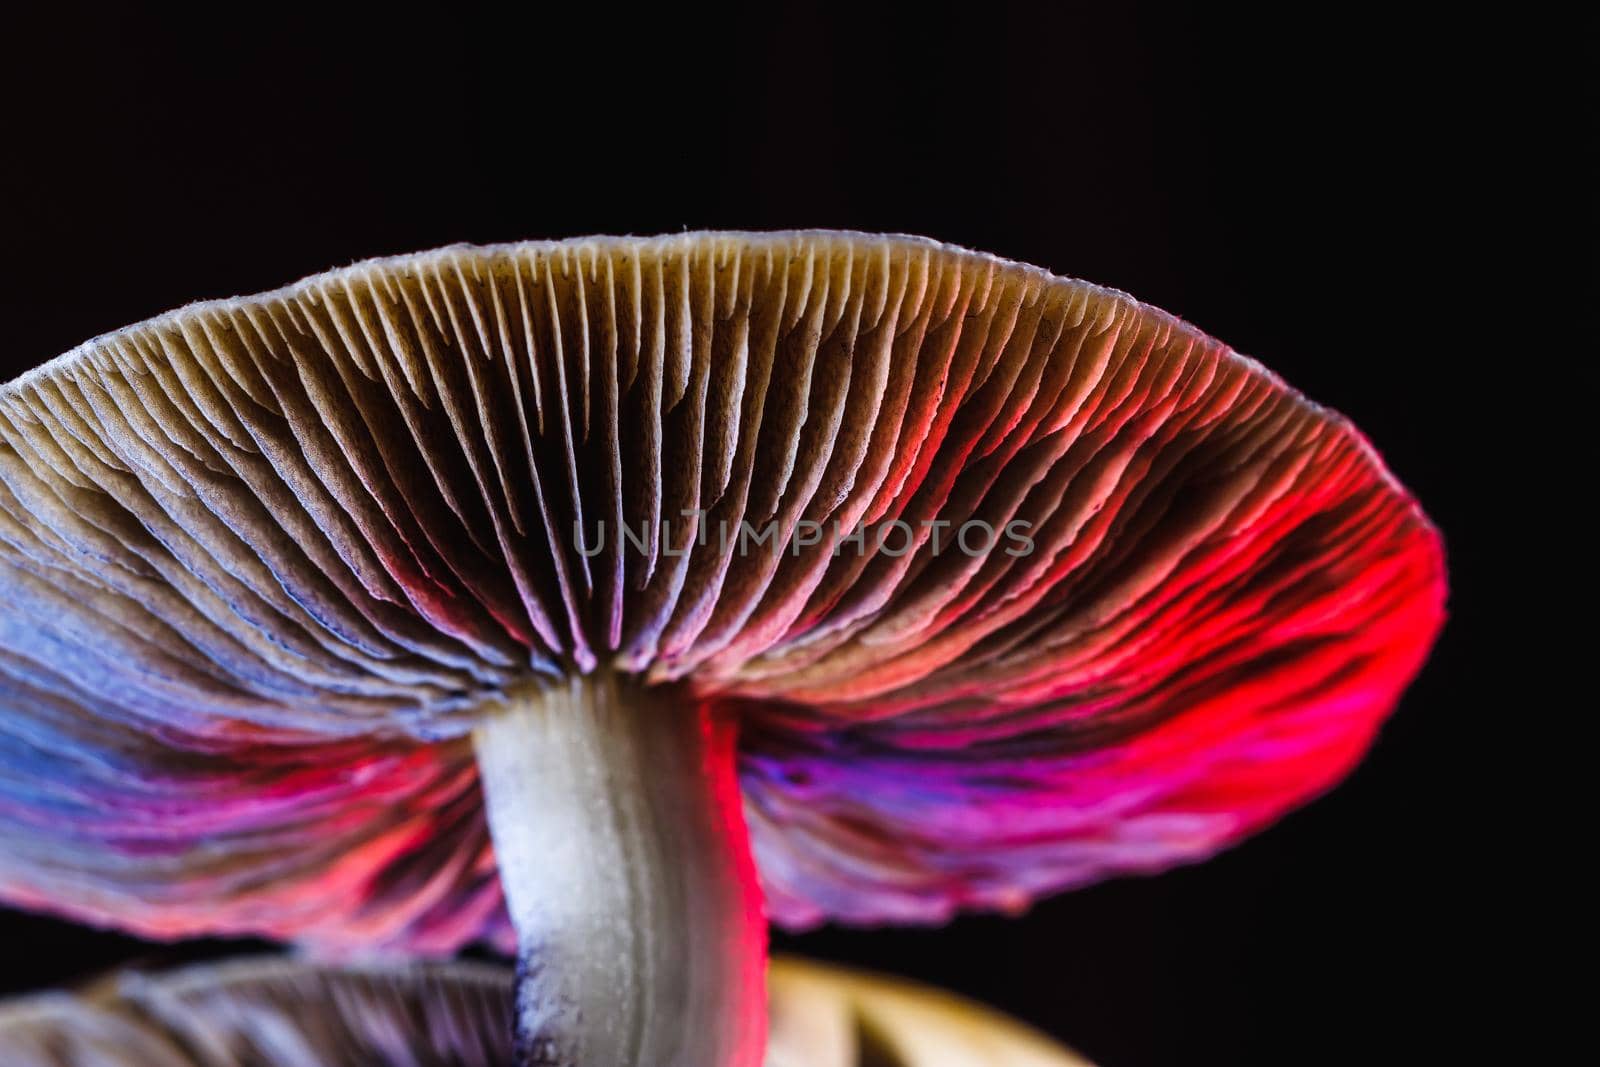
column 278, row 1013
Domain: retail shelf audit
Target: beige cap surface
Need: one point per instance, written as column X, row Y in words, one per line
column 282, row 1013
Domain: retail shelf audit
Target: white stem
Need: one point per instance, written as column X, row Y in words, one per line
column 626, row 864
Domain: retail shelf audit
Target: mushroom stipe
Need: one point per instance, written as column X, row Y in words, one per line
column 600, row 599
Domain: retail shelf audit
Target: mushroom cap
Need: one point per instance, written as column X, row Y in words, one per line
column 279, row 1013
column 265, row 561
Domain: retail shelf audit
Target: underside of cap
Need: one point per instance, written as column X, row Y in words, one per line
column 265, row 561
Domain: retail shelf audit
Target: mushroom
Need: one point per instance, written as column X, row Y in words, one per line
column 804, row 575
column 283, row 1013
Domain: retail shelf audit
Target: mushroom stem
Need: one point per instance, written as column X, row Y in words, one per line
column 617, row 822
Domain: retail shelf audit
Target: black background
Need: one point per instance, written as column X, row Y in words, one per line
column 1313, row 192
